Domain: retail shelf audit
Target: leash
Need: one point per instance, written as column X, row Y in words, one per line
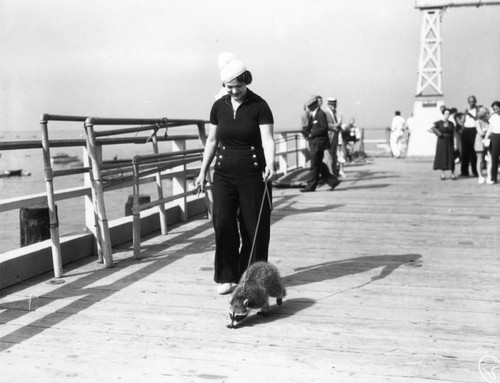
column 266, row 193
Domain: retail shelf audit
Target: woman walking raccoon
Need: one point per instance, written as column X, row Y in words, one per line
column 241, row 138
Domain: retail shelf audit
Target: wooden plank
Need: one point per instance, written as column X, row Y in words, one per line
column 391, row 278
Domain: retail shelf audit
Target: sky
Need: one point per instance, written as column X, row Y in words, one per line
column 158, row 58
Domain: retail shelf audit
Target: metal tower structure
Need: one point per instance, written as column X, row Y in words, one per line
column 429, row 81
column 429, row 95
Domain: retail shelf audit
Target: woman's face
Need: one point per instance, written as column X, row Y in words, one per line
column 446, row 115
column 236, row 89
column 496, row 109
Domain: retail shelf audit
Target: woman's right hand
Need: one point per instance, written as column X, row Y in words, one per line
column 199, row 182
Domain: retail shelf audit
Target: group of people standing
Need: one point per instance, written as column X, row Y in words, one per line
column 330, row 141
column 471, row 138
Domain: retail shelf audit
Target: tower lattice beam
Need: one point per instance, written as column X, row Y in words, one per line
column 429, row 81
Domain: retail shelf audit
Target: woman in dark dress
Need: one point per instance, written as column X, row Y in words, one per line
column 445, row 158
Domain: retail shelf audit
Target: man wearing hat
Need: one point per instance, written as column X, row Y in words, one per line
column 317, row 133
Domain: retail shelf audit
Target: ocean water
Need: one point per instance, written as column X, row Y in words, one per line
column 71, row 212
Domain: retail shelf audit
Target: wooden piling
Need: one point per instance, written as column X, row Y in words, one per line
column 34, row 224
column 143, row 198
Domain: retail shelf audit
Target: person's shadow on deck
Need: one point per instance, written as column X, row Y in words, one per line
column 336, row 269
column 328, row 271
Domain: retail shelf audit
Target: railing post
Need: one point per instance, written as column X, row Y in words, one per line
column 302, row 149
column 136, row 212
column 362, row 141
column 282, row 149
column 54, row 224
column 98, row 189
column 296, row 146
column 91, row 220
column 179, row 184
column 159, row 189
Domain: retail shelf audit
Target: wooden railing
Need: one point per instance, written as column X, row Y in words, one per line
column 290, row 154
column 291, row 149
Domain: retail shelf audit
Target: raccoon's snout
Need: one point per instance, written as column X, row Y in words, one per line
column 237, row 317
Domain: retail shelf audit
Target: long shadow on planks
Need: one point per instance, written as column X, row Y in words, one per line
column 85, row 294
column 370, row 175
column 336, row 269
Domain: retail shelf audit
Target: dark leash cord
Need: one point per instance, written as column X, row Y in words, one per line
column 264, row 195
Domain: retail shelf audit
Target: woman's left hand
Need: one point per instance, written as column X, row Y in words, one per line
column 268, row 174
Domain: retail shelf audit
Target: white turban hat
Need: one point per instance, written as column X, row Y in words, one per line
column 225, row 58
column 232, row 70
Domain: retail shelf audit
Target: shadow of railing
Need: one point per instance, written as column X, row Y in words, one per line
column 86, row 297
column 85, row 293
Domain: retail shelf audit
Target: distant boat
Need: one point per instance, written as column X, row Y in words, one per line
column 63, row 158
column 14, row 173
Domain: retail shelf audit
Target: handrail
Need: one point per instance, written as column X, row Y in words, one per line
column 124, row 121
column 151, row 163
column 79, row 142
column 38, row 198
column 46, row 117
column 133, row 121
column 157, row 166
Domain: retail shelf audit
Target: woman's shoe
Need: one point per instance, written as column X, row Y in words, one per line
column 452, row 177
column 490, row 182
column 481, row 180
column 224, row 288
column 443, row 178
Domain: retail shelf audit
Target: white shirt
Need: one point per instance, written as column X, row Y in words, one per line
column 398, row 124
column 469, row 121
column 495, row 123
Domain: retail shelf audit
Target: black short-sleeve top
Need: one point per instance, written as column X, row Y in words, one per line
column 241, row 128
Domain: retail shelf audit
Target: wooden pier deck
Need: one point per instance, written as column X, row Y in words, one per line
column 393, row 277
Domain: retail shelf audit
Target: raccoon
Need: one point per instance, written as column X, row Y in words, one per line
column 258, row 283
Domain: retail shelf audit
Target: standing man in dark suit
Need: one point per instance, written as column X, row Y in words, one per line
column 317, row 134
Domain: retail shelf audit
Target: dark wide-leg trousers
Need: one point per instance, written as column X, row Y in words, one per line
column 319, row 170
column 238, row 190
column 495, row 153
column 333, row 153
column 469, row 157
